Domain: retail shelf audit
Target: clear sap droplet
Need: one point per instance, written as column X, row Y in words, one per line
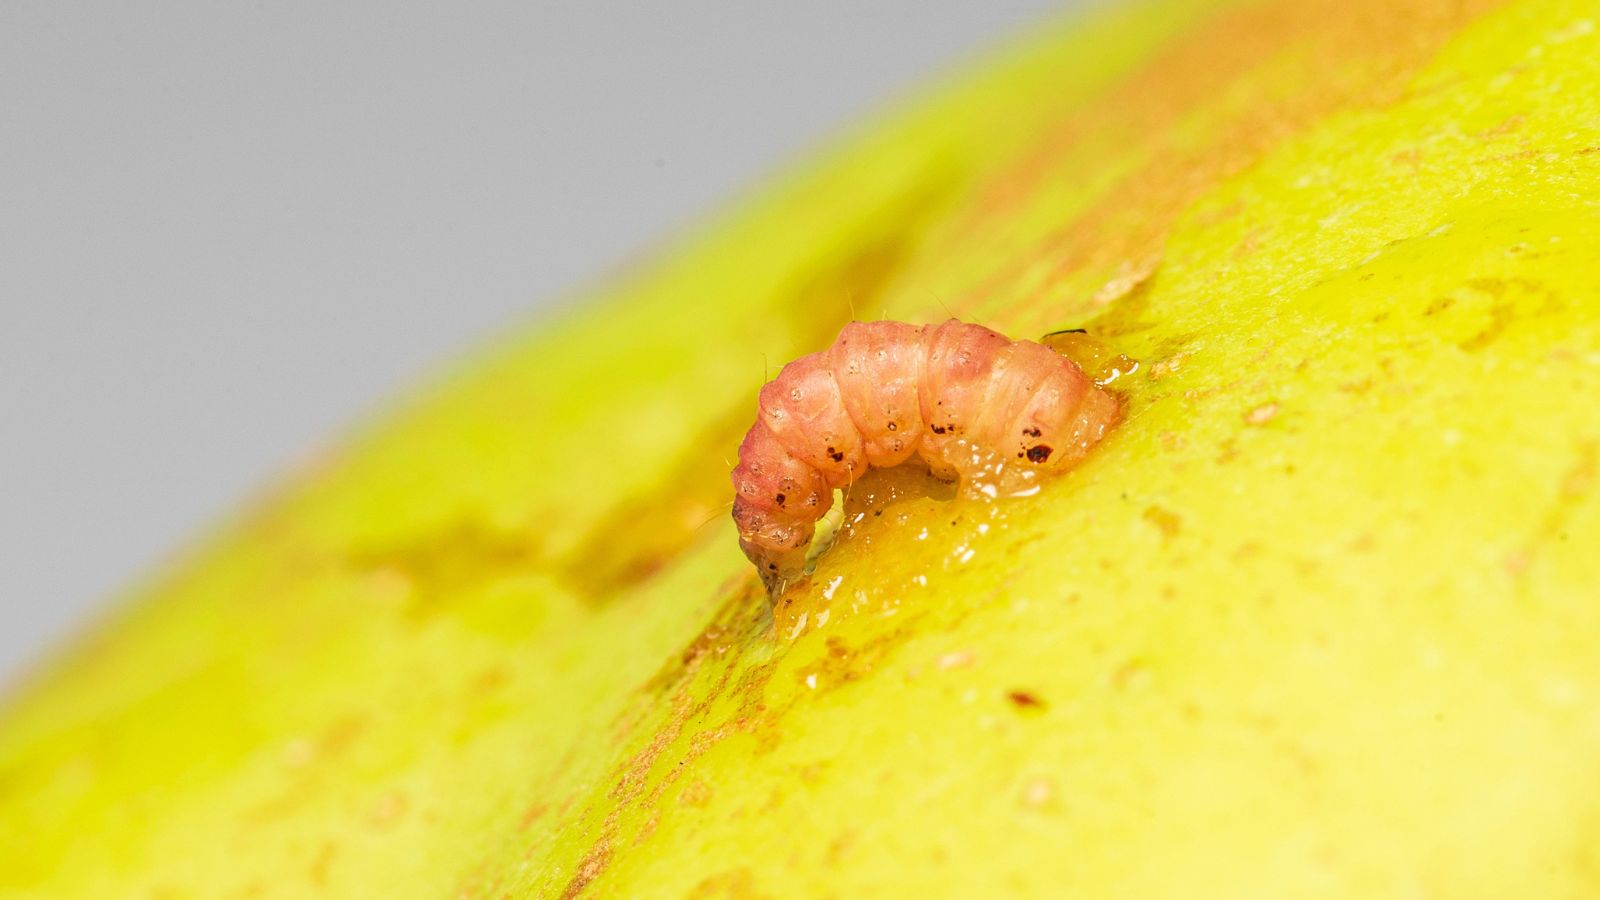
column 827, row 592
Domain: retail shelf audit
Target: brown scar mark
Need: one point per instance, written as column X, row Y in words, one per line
column 1025, row 700
column 1505, row 126
column 425, row 570
column 696, row 793
column 642, row 533
column 589, row 869
column 1165, row 520
column 735, row 884
column 1575, row 486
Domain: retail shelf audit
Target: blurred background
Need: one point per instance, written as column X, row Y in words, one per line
column 229, row 230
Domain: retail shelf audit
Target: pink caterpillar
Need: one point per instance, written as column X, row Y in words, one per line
column 967, row 401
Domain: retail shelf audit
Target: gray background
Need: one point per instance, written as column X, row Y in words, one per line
column 229, row 229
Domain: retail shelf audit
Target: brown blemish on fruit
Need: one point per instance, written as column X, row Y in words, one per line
column 644, row 533
column 1574, row 488
column 533, row 814
column 1438, row 306
column 489, row 681
column 727, row 639
column 1165, row 520
column 734, row 884
column 592, row 864
column 696, row 793
column 425, row 572
column 1025, row 700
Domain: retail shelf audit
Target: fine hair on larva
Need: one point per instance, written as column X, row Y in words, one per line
column 962, row 399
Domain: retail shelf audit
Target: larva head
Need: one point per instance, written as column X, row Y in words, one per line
column 878, row 366
column 805, row 412
column 775, row 543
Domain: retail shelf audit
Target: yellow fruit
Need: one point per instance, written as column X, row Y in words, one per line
column 1320, row 619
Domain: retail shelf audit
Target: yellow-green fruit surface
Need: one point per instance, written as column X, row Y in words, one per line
column 1320, row 619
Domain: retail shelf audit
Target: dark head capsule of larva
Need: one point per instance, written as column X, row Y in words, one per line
column 958, row 398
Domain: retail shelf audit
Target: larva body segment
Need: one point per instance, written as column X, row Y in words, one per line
column 804, row 410
column 962, row 360
column 964, row 399
column 878, row 366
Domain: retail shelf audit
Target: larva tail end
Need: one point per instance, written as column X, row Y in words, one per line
column 778, row 569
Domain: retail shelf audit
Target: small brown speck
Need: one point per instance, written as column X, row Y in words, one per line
column 533, row 814
column 1165, row 520
column 697, row 793
column 1025, row 700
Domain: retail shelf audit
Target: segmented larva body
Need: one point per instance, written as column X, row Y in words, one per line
column 965, row 400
